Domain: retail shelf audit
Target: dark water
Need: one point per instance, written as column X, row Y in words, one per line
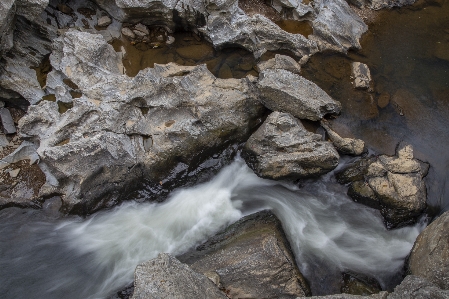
column 407, row 51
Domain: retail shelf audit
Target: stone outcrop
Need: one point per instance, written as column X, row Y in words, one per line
column 125, row 129
column 394, row 185
column 250, row 259
column 283, row 149
column 166, row 277
column 361, row 75
column 346, row 146
column 414, row 287
column 430, row 254
column 284, row 91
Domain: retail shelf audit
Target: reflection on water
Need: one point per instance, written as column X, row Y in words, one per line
column 187, row 49
column 91, row 258
column 408, row 54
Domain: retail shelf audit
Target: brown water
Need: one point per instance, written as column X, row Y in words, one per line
column 188, row 49
column 296, row 27
column 407, row 51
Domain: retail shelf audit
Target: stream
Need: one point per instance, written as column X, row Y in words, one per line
column 45, row 256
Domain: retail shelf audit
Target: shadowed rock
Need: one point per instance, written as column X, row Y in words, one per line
column 346, row 146
column 283, row 149
column 250, row 259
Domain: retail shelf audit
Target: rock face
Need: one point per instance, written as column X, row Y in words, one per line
column 284, row 91
column 124, row 129
column 283, row 149
column 361, row 75
column 346, row 146
column 430, row 254
column 393, row 184
column 166, row 277
column 250, row 259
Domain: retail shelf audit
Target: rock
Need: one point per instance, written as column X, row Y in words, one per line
column 104, row 21
column 361, row 75
column 283, row 149
column 383, row 100
column 381, row 295
column 346, row 146
column 128, row 33
column 414, row 287
column 250, row 259
column 3, row 140
column 429, row 257
column 225, row 71
column 284, row 91
column 170, row 40
column 65, row 9
column 195, row 52
column 26, row 150
column 358, row 284
column 142, row 28
column 14, row 173
column 280, row 62
column 381, row 4
column 166, row 277
column 7, row 13
column 123, row 130
column 393, row 184
column 7, row 121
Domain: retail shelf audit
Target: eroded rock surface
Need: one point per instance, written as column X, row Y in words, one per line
column 283, row 149
column 284, row 91
column 125, row 129
column 166, row 277
column 430, row 254
column 393, row 184
column 250, row 259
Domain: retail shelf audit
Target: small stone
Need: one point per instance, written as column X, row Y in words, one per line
column 142, row 28
column 361, row 74
column 128, row 33
column 7, row 121
column 160, row 38
column 65, row 9
column 139, row 33
column 383, row 100
column 104, row 21
column 170, row 40
column 14, row 173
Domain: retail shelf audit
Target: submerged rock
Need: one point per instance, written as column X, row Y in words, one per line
column 284, row 91
column 430, row 254
column 393, row 184
column 123, row 130
column 282, row 148
column 166, row 277
column 346, row 146
column 361, row 75
column 250, row 259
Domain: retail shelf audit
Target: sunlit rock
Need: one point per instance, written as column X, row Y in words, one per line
column 361, row 75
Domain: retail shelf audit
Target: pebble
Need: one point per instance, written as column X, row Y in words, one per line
column 142, row 28
column 104, row 21
column 139, row 33
column 170, row 40
column 7, row 121
column 14, row 173
column 128, row 33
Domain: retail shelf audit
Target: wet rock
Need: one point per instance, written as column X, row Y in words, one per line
column 284, row 91
column 395, row 184
column 195, row 52
column 7, row 13
column 283, row 149
column 251, row 251
column 104, row 21
column 7, row 121
column 361, row 75
column 166, row 277
column 383, row 100
column 414, row 287
column 381, row 295
column 123, row 130
column 430, row 254
column 142, row 28
column 280, row 62
column 225, row 72
column 358, row 284
column 14, row 173
column 128, row 33
column 380, row 4
column 346, row 146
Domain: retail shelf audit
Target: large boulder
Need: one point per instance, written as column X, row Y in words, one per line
column 284, row 91
column 282, row 148
column 122, row 130
column 166, row 277
column 250, row 259
column 430, row 254
column 393, row 184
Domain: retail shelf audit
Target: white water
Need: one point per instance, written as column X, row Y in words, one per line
column 92, row 258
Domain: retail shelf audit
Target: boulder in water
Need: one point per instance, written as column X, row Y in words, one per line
column 250, row 259
column 346, row 146
column 282, row 148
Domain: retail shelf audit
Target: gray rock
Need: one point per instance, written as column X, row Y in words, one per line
column 26, row 150
column 283, row 149
column 381, row 295
column 7, row 13
column 430, row 254
column 346, row 146
column 104, row 21
column 128, row 33
column 361, row 75
column 250, row 259
column 380, row 4
column 166, row 277
column 142, row 28
column 3, row 140
column 280, row 62
column 284, row 91
column 393, row 184
column 14, row 173
column 7, row 121
column 124, row 129
column 414, row 287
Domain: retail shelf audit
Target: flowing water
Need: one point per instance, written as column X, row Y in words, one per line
column 76, row 258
